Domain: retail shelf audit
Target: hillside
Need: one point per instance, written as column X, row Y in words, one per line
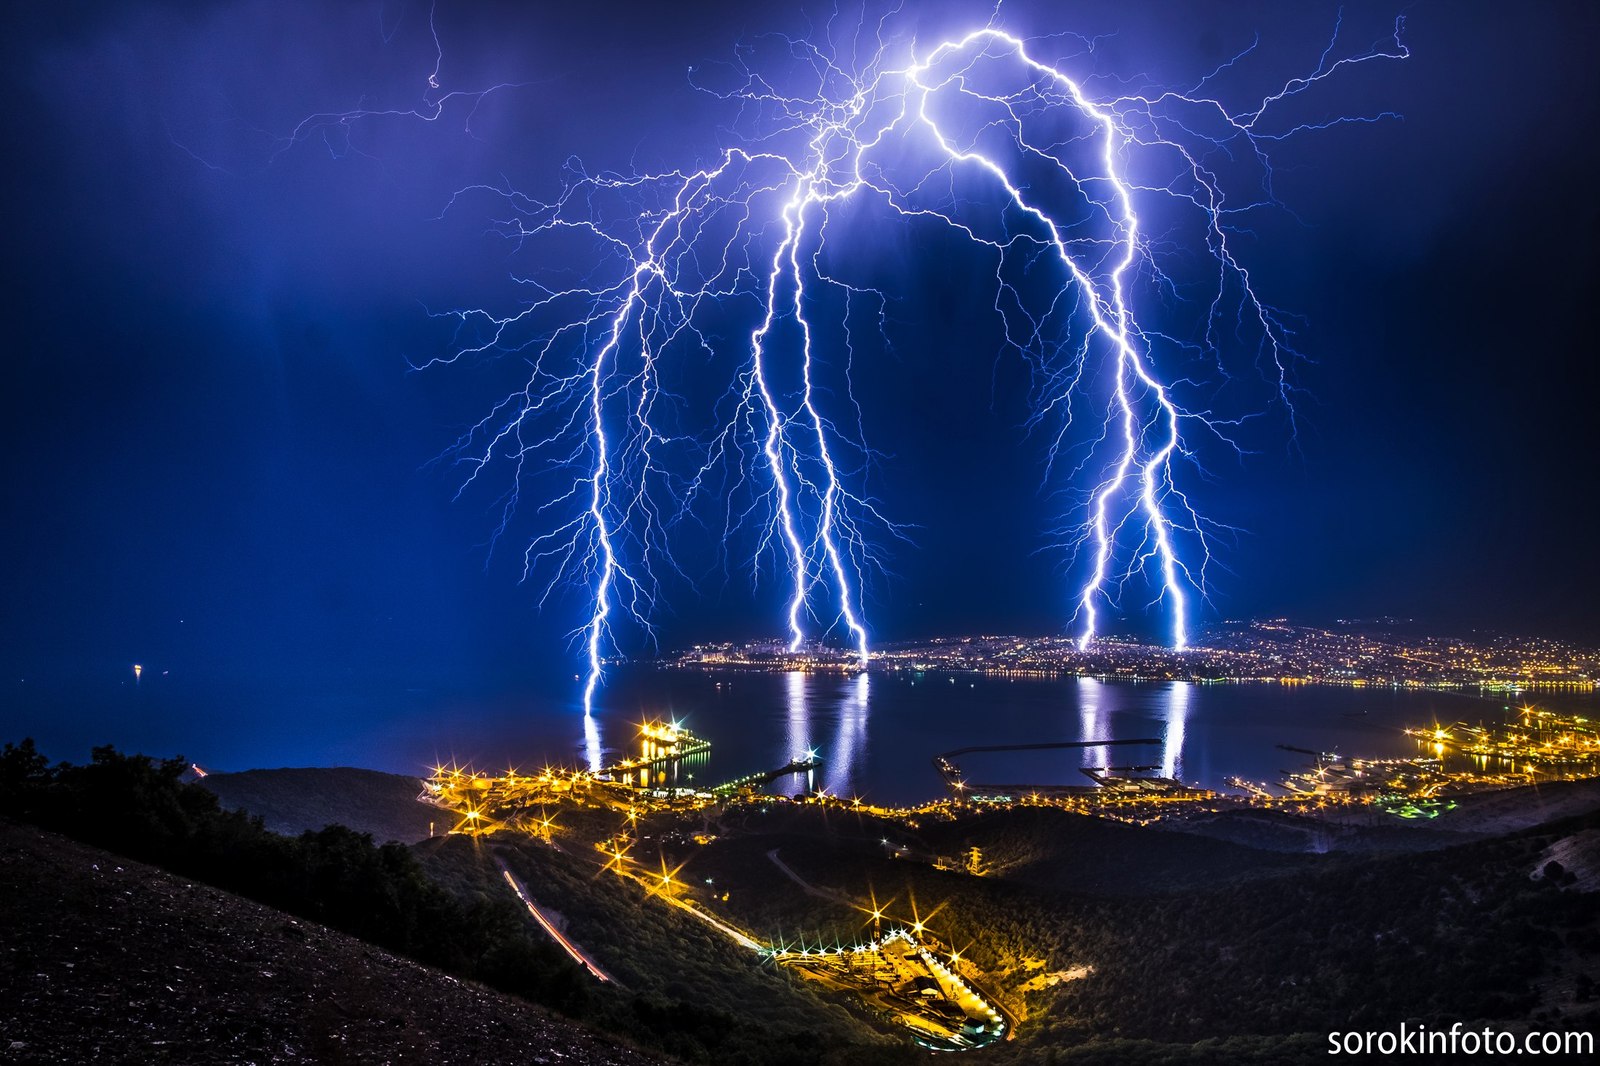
column 1053, row 848
column 108, row 959
column 1115, row 943
column 1267, row 965
column 1105, row 941
column 1363, row 831
column 1513, row 809
column 293, row 800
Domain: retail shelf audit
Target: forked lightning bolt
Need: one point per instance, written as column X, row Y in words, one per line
column 665, row 278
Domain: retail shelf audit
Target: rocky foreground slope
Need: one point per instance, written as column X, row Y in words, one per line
column 107, row 960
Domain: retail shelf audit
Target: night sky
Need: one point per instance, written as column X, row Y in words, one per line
column 217, row 460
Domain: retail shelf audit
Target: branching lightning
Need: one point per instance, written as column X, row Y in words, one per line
column 1075, row 200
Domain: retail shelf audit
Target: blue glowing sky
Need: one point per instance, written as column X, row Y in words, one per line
column 216, row 458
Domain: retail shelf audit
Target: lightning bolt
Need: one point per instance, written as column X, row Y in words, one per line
column 690, row 274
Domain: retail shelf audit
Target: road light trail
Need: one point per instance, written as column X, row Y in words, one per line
column 656, row 887
column 578, row 954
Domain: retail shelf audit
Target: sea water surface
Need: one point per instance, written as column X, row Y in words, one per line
column 876, row 734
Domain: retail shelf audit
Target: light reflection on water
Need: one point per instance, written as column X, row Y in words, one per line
column 842, row 770
column 876, row 734
column 1090, row 727
column 1172, row 740
column 799, row 718
column 594, row 755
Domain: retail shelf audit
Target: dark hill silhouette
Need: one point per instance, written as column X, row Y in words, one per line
column 293, row 800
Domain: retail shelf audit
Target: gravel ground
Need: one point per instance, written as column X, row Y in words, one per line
column 107, row 960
